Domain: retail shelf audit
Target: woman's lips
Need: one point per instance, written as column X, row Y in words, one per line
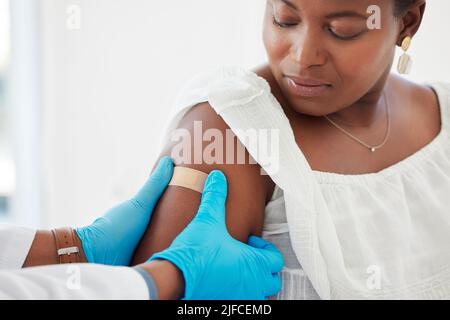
column 307, row 87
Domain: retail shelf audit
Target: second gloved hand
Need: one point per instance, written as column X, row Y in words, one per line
column 214, row 264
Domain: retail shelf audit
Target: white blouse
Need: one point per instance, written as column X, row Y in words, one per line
column 383, row 235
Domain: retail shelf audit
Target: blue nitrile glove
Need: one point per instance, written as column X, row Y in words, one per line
column 214, row 264
column 112, row 239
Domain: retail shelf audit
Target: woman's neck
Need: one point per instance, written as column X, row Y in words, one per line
column 365, row 113
column 369, row 109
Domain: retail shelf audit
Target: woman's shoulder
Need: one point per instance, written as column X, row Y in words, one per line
column 427, row 103
column 426, row 93
column 205, row 142
column 211, row 141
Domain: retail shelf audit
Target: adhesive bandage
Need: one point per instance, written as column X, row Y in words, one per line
column 188, row 178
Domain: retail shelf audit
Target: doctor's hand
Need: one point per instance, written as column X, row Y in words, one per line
column 216, row 266
column 112, row 239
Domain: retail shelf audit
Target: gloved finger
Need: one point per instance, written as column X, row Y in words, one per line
column 149, row 194
column 212, row 206
column 272, row 285
column 269, row 253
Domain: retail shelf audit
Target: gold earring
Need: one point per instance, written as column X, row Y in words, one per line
column 405, row 61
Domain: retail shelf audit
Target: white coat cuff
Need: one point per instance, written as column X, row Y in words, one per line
column 15, row 243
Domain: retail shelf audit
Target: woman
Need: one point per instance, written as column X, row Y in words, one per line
column 358, row 205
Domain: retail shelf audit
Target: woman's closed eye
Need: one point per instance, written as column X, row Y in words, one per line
column 341, row 33
column 286, row 24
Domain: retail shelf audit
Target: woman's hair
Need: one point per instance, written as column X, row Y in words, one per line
column 402, row 5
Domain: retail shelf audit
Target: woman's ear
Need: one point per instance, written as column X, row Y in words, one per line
column 410, row 20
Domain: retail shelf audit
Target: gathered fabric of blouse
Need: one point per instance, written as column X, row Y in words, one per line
column 383, row 235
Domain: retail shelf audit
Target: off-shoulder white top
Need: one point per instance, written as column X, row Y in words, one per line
column 378, row 235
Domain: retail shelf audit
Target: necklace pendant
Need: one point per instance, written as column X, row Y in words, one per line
column 372, row 149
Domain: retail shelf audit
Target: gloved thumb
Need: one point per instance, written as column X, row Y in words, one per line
column 212, row 206
column 149, row 194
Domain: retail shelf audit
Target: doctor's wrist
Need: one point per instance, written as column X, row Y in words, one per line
column 168, row 279
column 44, row 249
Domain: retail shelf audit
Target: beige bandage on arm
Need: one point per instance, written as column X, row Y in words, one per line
column 188, row 178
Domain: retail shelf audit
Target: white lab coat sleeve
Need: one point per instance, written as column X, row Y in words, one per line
column 15, row 243
column 73, row 281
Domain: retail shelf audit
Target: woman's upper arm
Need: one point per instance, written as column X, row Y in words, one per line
column 248, row 189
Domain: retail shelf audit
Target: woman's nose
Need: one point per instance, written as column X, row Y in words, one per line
column 307, row 51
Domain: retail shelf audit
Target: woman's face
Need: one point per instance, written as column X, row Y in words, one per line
column 328, row 41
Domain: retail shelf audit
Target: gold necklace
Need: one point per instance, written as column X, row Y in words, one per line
column 371, row 148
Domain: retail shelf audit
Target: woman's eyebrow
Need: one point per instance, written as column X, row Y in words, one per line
column 289, row 4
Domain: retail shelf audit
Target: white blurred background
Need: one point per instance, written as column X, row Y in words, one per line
column 86, row 87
